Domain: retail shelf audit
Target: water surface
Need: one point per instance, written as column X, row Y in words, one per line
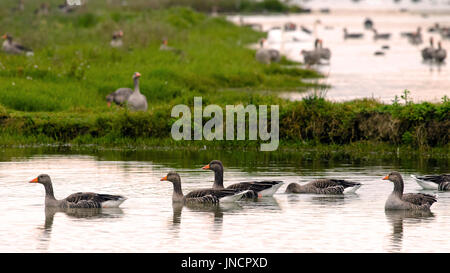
column 148, row 222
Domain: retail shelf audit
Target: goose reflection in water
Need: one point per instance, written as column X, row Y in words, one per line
column 397, row 217
column 87, row 213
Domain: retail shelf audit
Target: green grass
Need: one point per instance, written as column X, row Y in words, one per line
column 58, row 95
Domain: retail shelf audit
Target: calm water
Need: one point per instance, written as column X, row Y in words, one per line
column 354, row 71
column 147, row 221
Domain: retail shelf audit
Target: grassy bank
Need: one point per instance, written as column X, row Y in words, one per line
column 58, row 95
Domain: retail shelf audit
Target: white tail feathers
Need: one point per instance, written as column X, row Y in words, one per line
column 233, row 198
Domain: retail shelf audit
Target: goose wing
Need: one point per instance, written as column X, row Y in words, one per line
column 435, row 178
column 255, row 186
column 90, row 199
column 419, row 199
column 329, row 183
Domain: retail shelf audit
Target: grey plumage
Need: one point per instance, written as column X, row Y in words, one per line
column 77, row 200
column 411, row 201
column 322, row 186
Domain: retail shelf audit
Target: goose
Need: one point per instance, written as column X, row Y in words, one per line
column 79, row 199
column 324, row 186
column 428, row 52
column 379, row 53
column 440, row 54
column 202, row 196
column 310, row 57
column 66, row 8
column 137, row 101
column 368, row 23
column 352, row 35
column 11, row 47
column 43, row 9
column 415, row 38
column 290, row 27
column 121, row 95
column 379, row 36
column 433, row 182
column 117, row 39
column 410, row 201
column 263, row 55
column 165, row 47
column 256, row 188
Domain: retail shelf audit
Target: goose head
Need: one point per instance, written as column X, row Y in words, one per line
column 215, row 166
column 8, row 37
column 136, row 75
column 172, row 177
column 395, row 177
column 42, row 179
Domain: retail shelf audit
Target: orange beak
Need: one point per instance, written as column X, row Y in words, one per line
column 109, row 104
column 34, row 180
column 386, row 177
column 206, row 167
column 138, row 74
column 164, row 178
column 4, row 36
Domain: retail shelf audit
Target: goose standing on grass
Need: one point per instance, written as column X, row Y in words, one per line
column 380, row 36
column 428, row 52
column 11, row 47
column 256, row 188
column 121, row 95
column 205, row 196
column 263, row 55
column 324, row 186
column 137, row 101
column 79, row 199
column 440, row 54
column 348, row 35
column 433, row 182
column 117, row 39
column 410, row 201
column 165, row 47
column 325, row 53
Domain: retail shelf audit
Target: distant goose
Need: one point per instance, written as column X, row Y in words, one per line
column 379, row 53
column 414, row 38
column 306, row 30
column 66, row 8
column 209, row 196
column 263, row 55
column 325, row 53
column 11, row 47
column 324, row 186
column 428, row 52
column 379, row 36
column 121, row 95
column 411, row 201
column 79, row 199
column 165, row 47
column 385, row 47
column 310, row 57
column 117, row 39
column 433, row 182
column 256, row 188
column 290, row 27
column 348, row 35
column 43, row 9
column 440, row 54
column 368, row 23
column 137, row 101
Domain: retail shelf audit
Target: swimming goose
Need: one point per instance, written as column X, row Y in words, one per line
column 79, row 199
column 205, row 196
column 377, row 36
column 440, row 54
column 428, row 52
column 310, row 57
column 414, row 38
column 352, row 35
column 411, row 201
column 11, row 47
column 257, row 188
column 324, row 186
column 433, row 182
column 117, row 39
column 368, row 23
column 137, row 101
column 121, row 95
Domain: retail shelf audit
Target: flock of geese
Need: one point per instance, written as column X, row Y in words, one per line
column 318, row 53
column 218, row 193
